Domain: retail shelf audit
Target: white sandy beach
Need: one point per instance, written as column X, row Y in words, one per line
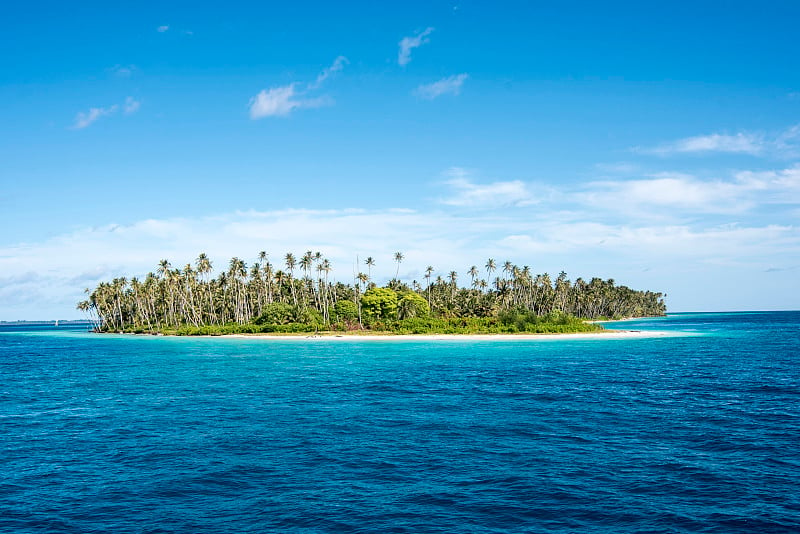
column 608, row 334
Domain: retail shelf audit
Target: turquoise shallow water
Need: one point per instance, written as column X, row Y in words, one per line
column 143, row 434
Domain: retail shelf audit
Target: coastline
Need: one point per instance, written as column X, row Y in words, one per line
column 607, row 334
column 623, row 320
column 366, row 335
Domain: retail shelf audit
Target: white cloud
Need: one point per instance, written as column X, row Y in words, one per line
column 676, row 191
column 740, row 143
column 494, row 194
column 273, row 102
column 131, row 105
column 337, row 65
column 668, row 196
column 783, row 144
column 407, row 44
column 450, row 85
column 705, row 265
column 777, row 187
column 84, row 119
column 584, row 246
column 282, row 100
column 787, row 143
column 602, row 235
column 669, row 190
column 162, row 29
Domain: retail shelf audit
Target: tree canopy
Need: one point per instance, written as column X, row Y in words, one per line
column 170, row 298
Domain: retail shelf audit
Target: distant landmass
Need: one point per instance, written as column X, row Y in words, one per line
column 266, row 299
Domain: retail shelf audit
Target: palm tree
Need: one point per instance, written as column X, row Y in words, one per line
column 280, row 278
column 370, row 264
column 189, row 283
column 237, row 272
column 175, row 298
column 363, row 278
column 490, row 268
column 291, row 263
column 398, row 257
column 204, row 268
column 428, row 272
column 307, row 264
column 473, row 273
column 508, row 268
column 163, row 267
column 453, row 277
column 326, row 268
column 163, row 272
column 266, row 278
column 257, row 285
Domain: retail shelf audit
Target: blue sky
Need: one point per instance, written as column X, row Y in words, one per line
column 658, row 145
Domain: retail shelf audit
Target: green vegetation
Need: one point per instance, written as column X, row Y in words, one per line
column 263, row 299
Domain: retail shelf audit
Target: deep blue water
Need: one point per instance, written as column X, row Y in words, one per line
column 696, row 433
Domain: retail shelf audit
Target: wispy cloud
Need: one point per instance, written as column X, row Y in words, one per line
column 740, row 143
column 671, row 194
column 337, row 65
column 166, row 28
column 664, row 196
column 465, row 192
column 282, row 100
column 640, row 231
column 407, row 44
column 781, row 186
column 123, row 71
column 131, row 105
column 446, row 86
column 787, row 143
column 582, row 245
column 783, row 144
column 670, row 191
column 86, row 118
column 620, row 167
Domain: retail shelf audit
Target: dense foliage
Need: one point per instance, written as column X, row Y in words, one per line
column 264, row 299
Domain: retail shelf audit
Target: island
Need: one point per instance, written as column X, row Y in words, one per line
column 303, row 299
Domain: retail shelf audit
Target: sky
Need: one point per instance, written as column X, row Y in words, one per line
column 658, row 145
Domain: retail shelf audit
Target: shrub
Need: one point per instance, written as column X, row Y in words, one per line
column 345, row 310
column 379, row 303
column 412, row 305
column 278, row 313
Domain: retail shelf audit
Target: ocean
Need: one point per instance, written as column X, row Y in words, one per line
column 697, row 432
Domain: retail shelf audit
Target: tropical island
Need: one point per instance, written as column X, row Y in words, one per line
column 263, row 299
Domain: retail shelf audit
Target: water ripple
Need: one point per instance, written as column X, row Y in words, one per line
column 677, row 434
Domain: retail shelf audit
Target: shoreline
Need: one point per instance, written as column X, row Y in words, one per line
column 623, row 320
column 608, row 334
column 366, row 335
